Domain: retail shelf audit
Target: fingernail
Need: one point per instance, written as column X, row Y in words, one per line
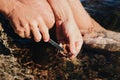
column 46, row 40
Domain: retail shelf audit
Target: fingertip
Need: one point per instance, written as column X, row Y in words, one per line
column 79, row 46
column 21, row 34
column 46, row 40
column 74, row 55
column 72, row 49
column 46, row 36
column 75, row 48
column 38, row 38
column 44, row 30
column 27, row 35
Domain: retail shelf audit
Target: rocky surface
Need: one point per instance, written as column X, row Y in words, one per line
column 41, row 61
column 99, row 59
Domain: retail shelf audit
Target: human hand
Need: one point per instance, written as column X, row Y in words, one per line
column 32, row 16
column 66, row 27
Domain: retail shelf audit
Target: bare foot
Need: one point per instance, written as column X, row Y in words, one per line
column 33, row 16
column 66, row 28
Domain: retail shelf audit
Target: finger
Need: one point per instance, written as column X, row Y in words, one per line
column 35, row 31
column 72, row 46
column 78, row 46
column 20, row 33
column 44, row 30
column 75, row 38
column 59, row 31
column 75, row 47
column 26, row 28
column 75, row 42
column 19, row 29
column 27, row 31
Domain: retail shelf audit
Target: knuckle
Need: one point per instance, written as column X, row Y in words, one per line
column 39, row 18
column 33, row 25
column 33, row 22
column 26, row 25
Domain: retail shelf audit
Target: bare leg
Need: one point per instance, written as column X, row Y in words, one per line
column 67, row 30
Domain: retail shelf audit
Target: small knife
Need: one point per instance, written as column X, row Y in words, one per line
column 55, row 45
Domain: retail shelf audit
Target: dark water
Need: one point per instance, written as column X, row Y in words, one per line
column 106, row 12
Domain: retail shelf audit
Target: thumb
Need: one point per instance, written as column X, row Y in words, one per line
column 72, row 45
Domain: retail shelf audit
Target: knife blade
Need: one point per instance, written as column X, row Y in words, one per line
column 52, row 42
